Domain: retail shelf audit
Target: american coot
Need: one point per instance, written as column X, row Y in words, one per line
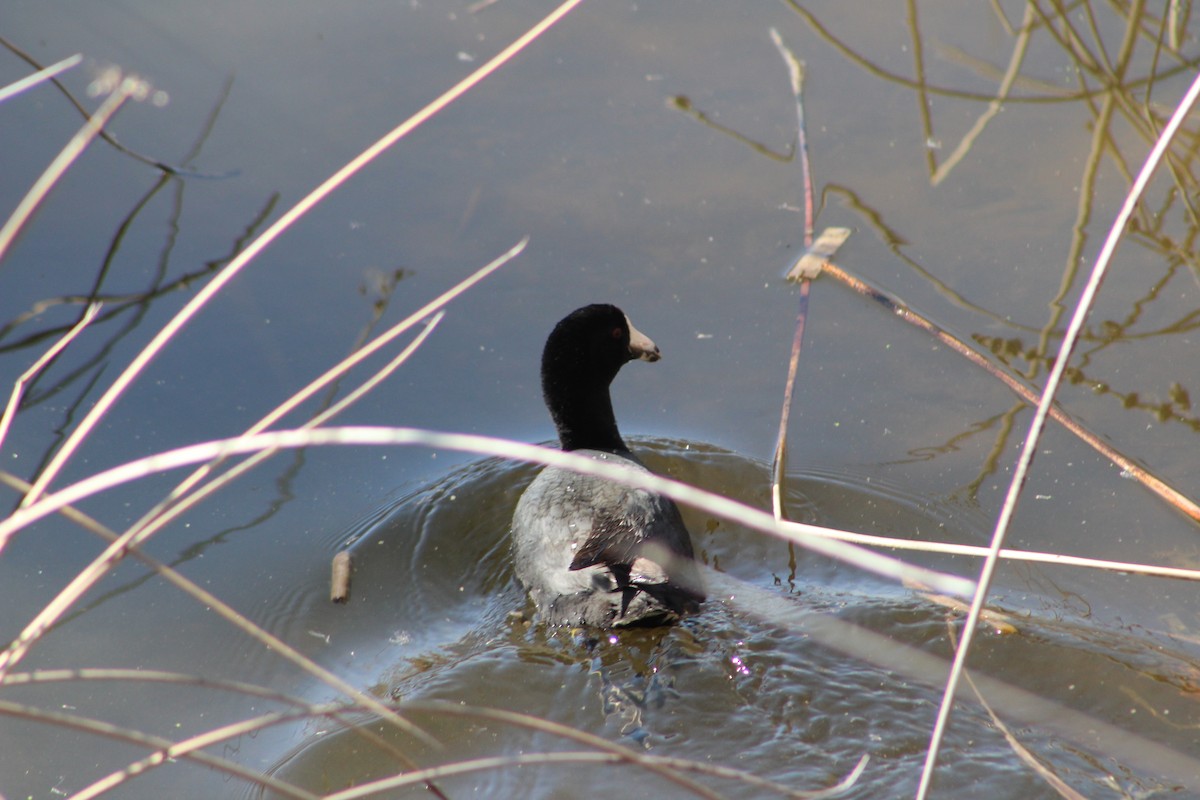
column 592, row 552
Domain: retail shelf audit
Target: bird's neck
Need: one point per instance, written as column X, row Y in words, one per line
column 585, row 419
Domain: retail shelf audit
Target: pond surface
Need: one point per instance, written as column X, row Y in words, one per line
column 647, row 151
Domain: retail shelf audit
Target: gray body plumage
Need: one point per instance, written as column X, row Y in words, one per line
column 593, row 552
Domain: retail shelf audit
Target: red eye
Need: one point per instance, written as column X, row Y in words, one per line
column 616, row 334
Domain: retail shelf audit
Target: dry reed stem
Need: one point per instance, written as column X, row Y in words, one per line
column 158, row 518
column 85, row 579
column 168, row 510
column 340, row 570
column 104, row 134
column 840, row 639
column 337, row 711
column 222, row 609
column 340, row 711
column 614, row 753
column 46, row 73
column 808, row 536
column 314, row 197
column 657, row 765
column 898, row 307
column 1037, row 425
column 194, row 744
column 224, row 733
column 488, row 763
column 156, row 743
column 118, row 546
column 795, row 69
column 94, row 674
column 1034, row 556
column 125, row 89
column 589, row 757
column 1131, row 468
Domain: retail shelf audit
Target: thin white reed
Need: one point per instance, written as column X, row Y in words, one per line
column 1029, row 449
column 318, row 194
column 1060, row 559
column 807, row 536
column 127, row 88
column 42, row 75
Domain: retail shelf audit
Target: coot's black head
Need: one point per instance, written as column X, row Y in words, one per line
column 582, row 356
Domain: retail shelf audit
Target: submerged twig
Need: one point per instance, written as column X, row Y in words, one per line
column 779, row 459
column 14, row 399
column 684, row 103
column 1021, row 751
column 1037, row 424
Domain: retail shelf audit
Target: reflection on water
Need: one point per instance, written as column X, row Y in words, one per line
column 747, row 683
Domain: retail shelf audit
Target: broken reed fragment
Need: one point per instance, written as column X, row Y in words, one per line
column 339, row 580
column 809, row 264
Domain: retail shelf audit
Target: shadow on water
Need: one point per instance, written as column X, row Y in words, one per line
column 436, row 615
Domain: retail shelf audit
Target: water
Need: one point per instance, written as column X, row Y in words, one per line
column 685, row 222
column 750, row 677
